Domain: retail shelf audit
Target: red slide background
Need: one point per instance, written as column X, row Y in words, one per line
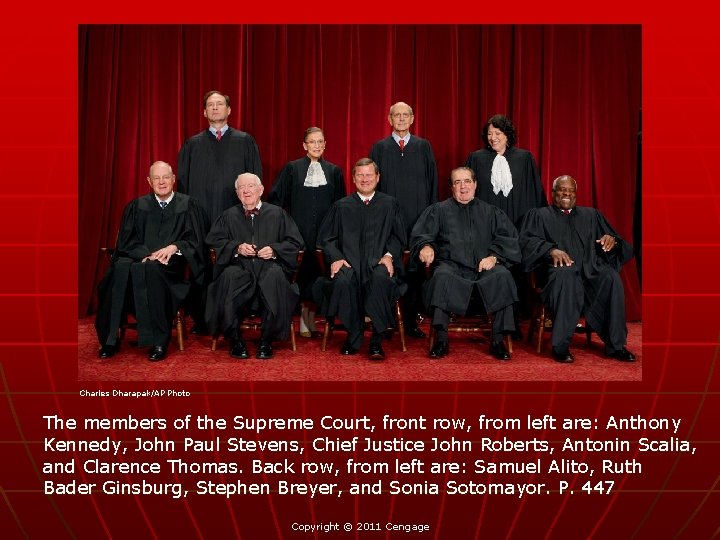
column 676, row 496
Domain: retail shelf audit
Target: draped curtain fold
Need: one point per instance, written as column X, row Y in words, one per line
column 573, row 93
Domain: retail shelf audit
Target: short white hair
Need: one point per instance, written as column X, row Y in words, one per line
column 248, row 175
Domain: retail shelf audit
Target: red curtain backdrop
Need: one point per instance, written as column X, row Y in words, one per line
column 573, row 93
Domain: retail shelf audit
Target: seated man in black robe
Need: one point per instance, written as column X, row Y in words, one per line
column 256, row 246
column 472, row 244
column 582, row 254
column 362, row 237
column 159, row 235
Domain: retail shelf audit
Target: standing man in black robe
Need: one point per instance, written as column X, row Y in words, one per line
column 582, row 255
column 256, row 246
column 308, row 187
column 362, row 237
column 408, row 173
column 160, row 233
column 208, row 164
column 472, row 244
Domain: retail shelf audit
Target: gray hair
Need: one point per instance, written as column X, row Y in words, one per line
column 561, row 178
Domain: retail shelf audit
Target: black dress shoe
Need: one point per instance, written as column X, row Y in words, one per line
column 415, row 332
column 440, row 349
column 264, row 350
column 239, row 350
column 348, row 349
column 499, row 351
column 375, row 351
column 108, row 351
column 623, row 355
column 564, row 357
column 157, row 353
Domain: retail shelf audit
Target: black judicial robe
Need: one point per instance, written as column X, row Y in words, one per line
column 461, row 235
column 527, row 191
column 208, row 168
column 361, row 234
column 410, row 176
column 547, row 228
column 156, row 290
column 308, row 206
column 239, row 280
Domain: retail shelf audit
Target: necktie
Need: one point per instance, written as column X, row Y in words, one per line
column 218, row 134
column 163, row 204
column 566, row 212
column 367, row 201
column 251, row 212
column 401, row 142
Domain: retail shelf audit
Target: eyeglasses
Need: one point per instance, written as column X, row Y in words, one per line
column 315, row 143
column 404, row 115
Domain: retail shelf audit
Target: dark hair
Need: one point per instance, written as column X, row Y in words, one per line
column 504, row 124
column 472, row 174
column 210, row 93
column 365, row 161
column 311, row 130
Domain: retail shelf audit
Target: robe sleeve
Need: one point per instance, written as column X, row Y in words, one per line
column 129, row 242
column 621, row 253
column 282, row 188
column 432, row 175
column 396, row 239
column 424, row 233
column 339, row 180
column 534, row 243
column 191, row 243
column 254, row 165
column 183, row 161
column 504, row 242
column 534, row 182
column 288, row 244
column 220, row 239
column 328, row 236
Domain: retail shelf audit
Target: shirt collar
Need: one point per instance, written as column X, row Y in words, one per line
column 363, row 198
column 259, row 204
column 223, row 130
column 170, row 198
column 397, row 138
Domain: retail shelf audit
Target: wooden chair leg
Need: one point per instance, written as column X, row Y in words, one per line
column 541, row 328
column 508, row 343
column 326, row 334
column 401, row 325
column 180, row 332
column 432, row 337
column 292, row 336
column 213, row 345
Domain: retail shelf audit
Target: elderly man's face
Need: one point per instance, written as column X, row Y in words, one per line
column 161, row 180
column 366, row 180
column 463, row 187
column 565, row 194
column 249, row 192
column 401, row 118
column 216, row 109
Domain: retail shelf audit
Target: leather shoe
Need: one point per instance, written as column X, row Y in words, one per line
column 564, row 357
column 264, row 350
column 623, row 355
column 375, row 351
column 415, row 332
column 439, row 349
column 347, row 349
column 239, row 350
column 157, row 353
column 499, row 351
column 108, row 351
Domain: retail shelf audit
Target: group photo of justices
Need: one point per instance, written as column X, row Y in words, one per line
column 351, row 237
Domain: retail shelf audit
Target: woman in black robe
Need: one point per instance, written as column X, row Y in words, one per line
column 307, row 188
